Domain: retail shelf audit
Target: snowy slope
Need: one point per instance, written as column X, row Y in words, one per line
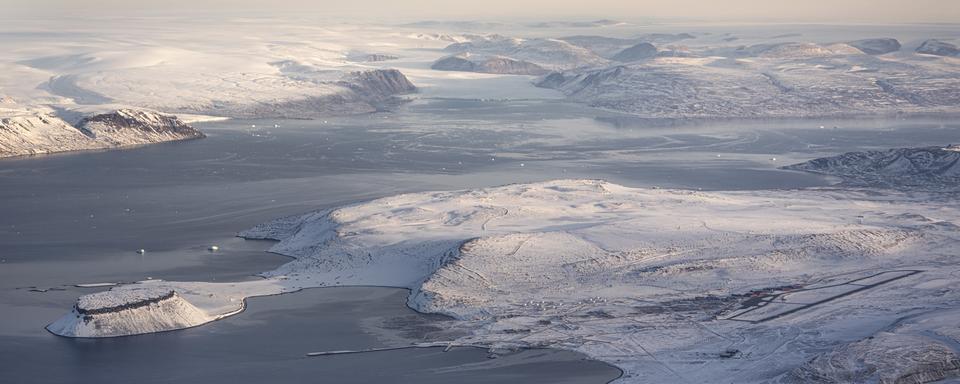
column 28, row 132
column 780, row 81
column 705, row 77
column 934, row 168
column 641, row 278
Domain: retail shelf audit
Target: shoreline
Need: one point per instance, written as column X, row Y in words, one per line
column 615, row 117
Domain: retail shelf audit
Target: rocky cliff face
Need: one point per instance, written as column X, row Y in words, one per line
column 30, row 133
column 935, row 168
column 379, row 84
column 133, row 126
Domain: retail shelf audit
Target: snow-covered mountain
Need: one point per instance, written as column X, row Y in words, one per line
column 767, row 80
column 933, row 168
column 524, row 55
column 28, row 132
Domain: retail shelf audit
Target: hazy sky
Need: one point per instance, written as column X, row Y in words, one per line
column 894, row 11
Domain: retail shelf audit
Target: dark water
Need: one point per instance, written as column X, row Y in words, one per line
column 77, row 218
column 268, row 342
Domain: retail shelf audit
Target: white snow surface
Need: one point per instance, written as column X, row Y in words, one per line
column 29, row 132
column 644, row 279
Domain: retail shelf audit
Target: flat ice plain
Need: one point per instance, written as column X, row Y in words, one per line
column 850, row 283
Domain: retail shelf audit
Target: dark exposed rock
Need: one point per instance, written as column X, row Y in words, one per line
column 125, row 306
column 139, row 120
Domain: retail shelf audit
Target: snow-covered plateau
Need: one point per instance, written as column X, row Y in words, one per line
column 779, row 80
column 668, row 285
column 227, row 69
column 273, row 68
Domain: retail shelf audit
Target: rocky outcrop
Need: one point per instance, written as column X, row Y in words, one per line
column 379, row 84
column 641, row 51
column 36, row 132
column 876, row 46
column 935, row 168
column 134, row 126
column 938, row 48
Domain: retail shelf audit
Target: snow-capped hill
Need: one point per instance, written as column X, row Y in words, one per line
column 609, row 46
column 38, row 132
column 35, row 132
column 938, row 48
column 877, row 46
column 921, row 349
column 136, row 126
column 641, row 51
column 492, row 64
column 770, row 81
column 551, row 54
column 565, row 263
column 926, row 168
column 379, row 84
column 128, row 312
